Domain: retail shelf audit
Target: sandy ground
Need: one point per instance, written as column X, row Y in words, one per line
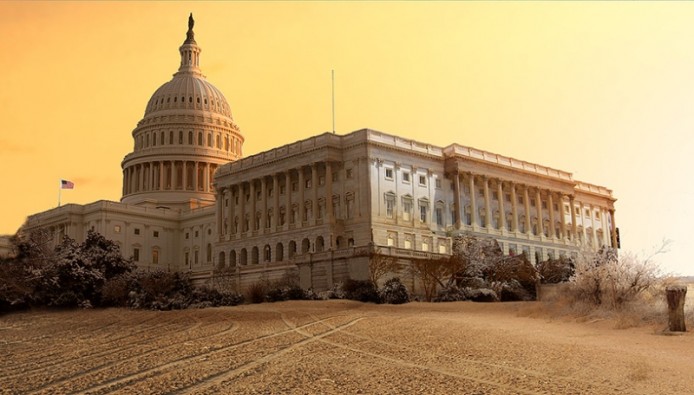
column 336, row 347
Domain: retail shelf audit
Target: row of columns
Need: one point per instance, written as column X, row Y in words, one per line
column 248, row 209
column 168, row 175
column 608, row 239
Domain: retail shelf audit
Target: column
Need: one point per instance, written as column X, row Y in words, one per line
column 487, row 204
column 263, row 194
column 458, row 198
column 174, row 176
column 329, row 192
column 195, row 176
column 206, row 178
column 574, row 232
column 162, row 175
column 502, row 212
column 276, row 202
column 593, row 232
column 301, row 186
column 563, row 217
column 582, row 214
column 185, row 175
column 538, row 210
column 252, row 197
column 514, row 208
column 288, row 192
column 151, row 184
column 550, row 205
column 220, row 216
column 473, row 201
column 613, row 230
column 242, row 211
column 232, row 211
column 140, row 177
column 125, row 182
column 314, row 186
column 526, row 199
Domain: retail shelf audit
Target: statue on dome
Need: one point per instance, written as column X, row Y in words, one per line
column 191, row 22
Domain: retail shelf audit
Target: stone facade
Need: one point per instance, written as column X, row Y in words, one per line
column 324, row 203
column 318, row 207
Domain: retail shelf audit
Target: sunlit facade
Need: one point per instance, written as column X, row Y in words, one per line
column 318, row 206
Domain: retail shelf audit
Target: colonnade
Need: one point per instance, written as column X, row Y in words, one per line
column 540, row 221
column 292, row 199
column 166, row 175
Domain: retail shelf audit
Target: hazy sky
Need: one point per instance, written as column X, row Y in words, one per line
column 602, row 90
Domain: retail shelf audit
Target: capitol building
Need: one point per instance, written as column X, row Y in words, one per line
column 192, row 202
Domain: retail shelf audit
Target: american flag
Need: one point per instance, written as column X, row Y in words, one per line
column 65, row 184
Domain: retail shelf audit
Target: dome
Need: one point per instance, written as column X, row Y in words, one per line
column 188, row 91
column 187, row 132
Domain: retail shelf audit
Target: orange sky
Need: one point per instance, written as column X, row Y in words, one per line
column 602, row 90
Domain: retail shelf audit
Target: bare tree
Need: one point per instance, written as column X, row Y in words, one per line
column 381, row 264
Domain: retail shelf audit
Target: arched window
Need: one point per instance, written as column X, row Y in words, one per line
column 208, row 255
column 199, row 138
column 190, row 138
column 170, row 137
column 232, row 258
column 254, row 255
column 267, row 253
column 279, row 252
column 162, row 138
column 320, row 244
column 243, row 257
column 209, row 139
column 339, row 242
column 219, row 142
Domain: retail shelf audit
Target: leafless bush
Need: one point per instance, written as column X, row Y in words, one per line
column 604, row 279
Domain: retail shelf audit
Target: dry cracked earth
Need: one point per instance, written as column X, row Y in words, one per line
column 336, row 347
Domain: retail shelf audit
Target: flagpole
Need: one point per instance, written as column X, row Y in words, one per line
column 60, row 189
column 332, row 74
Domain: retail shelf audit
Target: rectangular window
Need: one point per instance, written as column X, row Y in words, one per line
column 335, row 176
column 407, row 210
column 155, row 256
column 389, row 174
column 597, row 215
column 389, row 208
column 422, row 180
column 422, row 213
column 439, row 216
column 437, row 183
column 495, row 195
column 197, row 233
column 187, row 235
column 294, row 187
column 349, row 173
column 116, row 228
column 406, row 176
column 137, row 231
column 567, row 210
column 508, row 197
column 155, row 233
column 136, row 254
column 544, row 205
column 307, row 184
column 321, row 180
column 282, row 189
column 258, row 194
column 196, row 256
